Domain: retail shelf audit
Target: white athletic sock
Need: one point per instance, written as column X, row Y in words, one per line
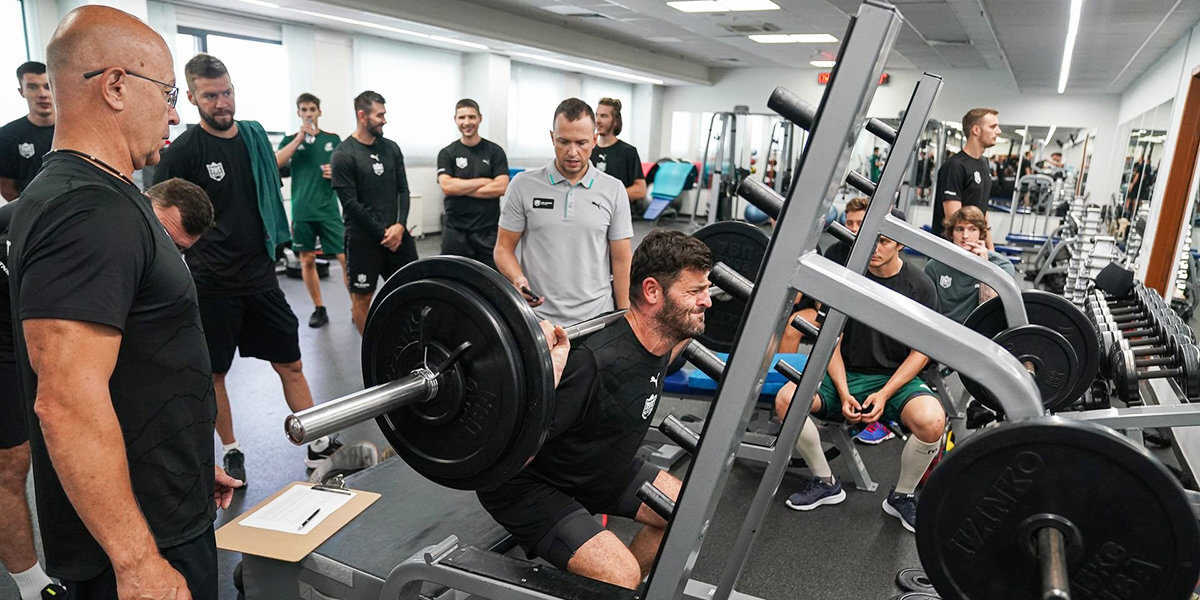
column 809, row 447
column 225, row 448
column 914, row 459
column 319, row 445
column 31, row 582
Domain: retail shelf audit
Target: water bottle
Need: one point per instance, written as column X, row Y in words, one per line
column 308, row 137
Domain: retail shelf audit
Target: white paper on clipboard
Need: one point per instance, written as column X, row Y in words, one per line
column 298, row 510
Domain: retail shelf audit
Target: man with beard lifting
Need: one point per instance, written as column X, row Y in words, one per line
column 603, row 406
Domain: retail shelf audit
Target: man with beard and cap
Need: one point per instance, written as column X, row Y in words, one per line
column 109, row 344
column 24, row 141
column 603, row 406
column 473, row 174
column 241, row 304
column 372, row 184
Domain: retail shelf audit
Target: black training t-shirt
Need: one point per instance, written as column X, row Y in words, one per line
column 229, row 260
column 620, row 160
column 865, row 350
column 372, row 185
column 7, row 354
column 22, row 145
column 603, row 407
column 965, row 179
column 87, row 247
column 485, row 159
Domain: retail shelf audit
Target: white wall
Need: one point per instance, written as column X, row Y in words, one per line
column 1168, row 79
column 962, row 90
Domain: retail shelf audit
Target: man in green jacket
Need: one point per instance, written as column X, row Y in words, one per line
column 241, row 305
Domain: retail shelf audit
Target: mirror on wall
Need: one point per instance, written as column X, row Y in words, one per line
column 1144, row 137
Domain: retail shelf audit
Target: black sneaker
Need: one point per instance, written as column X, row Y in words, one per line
column 318, row 318
column 903, row 507
column 314, row 458
column 53, row 591
column 235, row 465
column 978, row 415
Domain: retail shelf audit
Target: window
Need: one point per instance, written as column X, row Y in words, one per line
column 420, row 85
column 532, row 97
column 14, row 50
column 258, row 69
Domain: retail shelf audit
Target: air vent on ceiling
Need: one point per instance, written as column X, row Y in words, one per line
column 959, row 43
column 572, row 11
column 747, row 28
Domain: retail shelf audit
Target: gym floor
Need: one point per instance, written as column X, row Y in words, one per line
column 851, row 550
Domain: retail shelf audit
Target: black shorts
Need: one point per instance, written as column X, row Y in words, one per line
column 257, row 326
column 13, row 431
column 366, row 260
column 195, row 560
column 471, row 244
column 552, row 523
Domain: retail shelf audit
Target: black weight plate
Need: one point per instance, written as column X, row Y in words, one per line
column 916, row 596
column 1057, row 313
column 1139, row 537
column 914, row 580
column 508, row 360
column 741, row 246
column 1053, row 363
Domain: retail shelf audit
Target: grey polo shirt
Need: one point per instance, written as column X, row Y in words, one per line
column 565, row 234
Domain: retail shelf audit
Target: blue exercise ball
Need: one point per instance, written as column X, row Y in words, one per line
column 754, row 215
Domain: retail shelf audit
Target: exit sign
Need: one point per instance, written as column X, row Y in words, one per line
column 823, row 78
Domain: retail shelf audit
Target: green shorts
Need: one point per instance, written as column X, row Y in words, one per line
column 331, row 232
column 862, row 385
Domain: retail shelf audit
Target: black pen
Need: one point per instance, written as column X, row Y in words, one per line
column 310, row 517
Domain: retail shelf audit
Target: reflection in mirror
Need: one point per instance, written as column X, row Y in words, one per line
column 731, row 146
column 1145, row 136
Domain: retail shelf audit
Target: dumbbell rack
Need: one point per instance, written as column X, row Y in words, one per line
column 1134, row 240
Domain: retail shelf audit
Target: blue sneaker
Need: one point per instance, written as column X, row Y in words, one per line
column 815, row 493
column 874, row 433
column 903, row 507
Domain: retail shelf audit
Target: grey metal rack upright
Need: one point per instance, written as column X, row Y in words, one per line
column 824, row 162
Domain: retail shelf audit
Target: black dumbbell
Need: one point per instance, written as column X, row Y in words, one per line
column 1184, row 367
column 1155, row 335
column 1150, row 347
column 1101, row 314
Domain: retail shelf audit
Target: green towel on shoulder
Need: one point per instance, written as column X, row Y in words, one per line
column 270, row 188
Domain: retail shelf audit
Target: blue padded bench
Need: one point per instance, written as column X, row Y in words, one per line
column 1009, row 250
column 669, row 181
column 1021, row 238
column 701, row 383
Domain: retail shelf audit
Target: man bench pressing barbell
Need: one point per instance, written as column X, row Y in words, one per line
column 604, row 403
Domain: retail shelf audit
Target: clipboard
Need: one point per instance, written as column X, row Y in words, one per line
column 288, row 547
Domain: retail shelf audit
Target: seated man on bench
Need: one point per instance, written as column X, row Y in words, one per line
column 873, row 377
column 959, row 294
column 603, row 406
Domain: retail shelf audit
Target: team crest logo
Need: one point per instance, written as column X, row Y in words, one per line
column 460, row 162
column 300, row 147
column 362, row 278
column 377, row 167
column 603, row 166
column 977, row 177
column 216, row 171
column 329, row 146
column 649, row 407
column 25, row 150
column 944, row 281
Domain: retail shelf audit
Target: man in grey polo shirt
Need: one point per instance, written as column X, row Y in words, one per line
column 574, row 227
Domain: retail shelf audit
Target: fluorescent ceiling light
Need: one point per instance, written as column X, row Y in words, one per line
column 823, row 64
column 1049, row 135
column 794, row 38
column 582, row 67
column 1069, row 48
column 260, row 3
column 448, row 40
column 705, row 6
